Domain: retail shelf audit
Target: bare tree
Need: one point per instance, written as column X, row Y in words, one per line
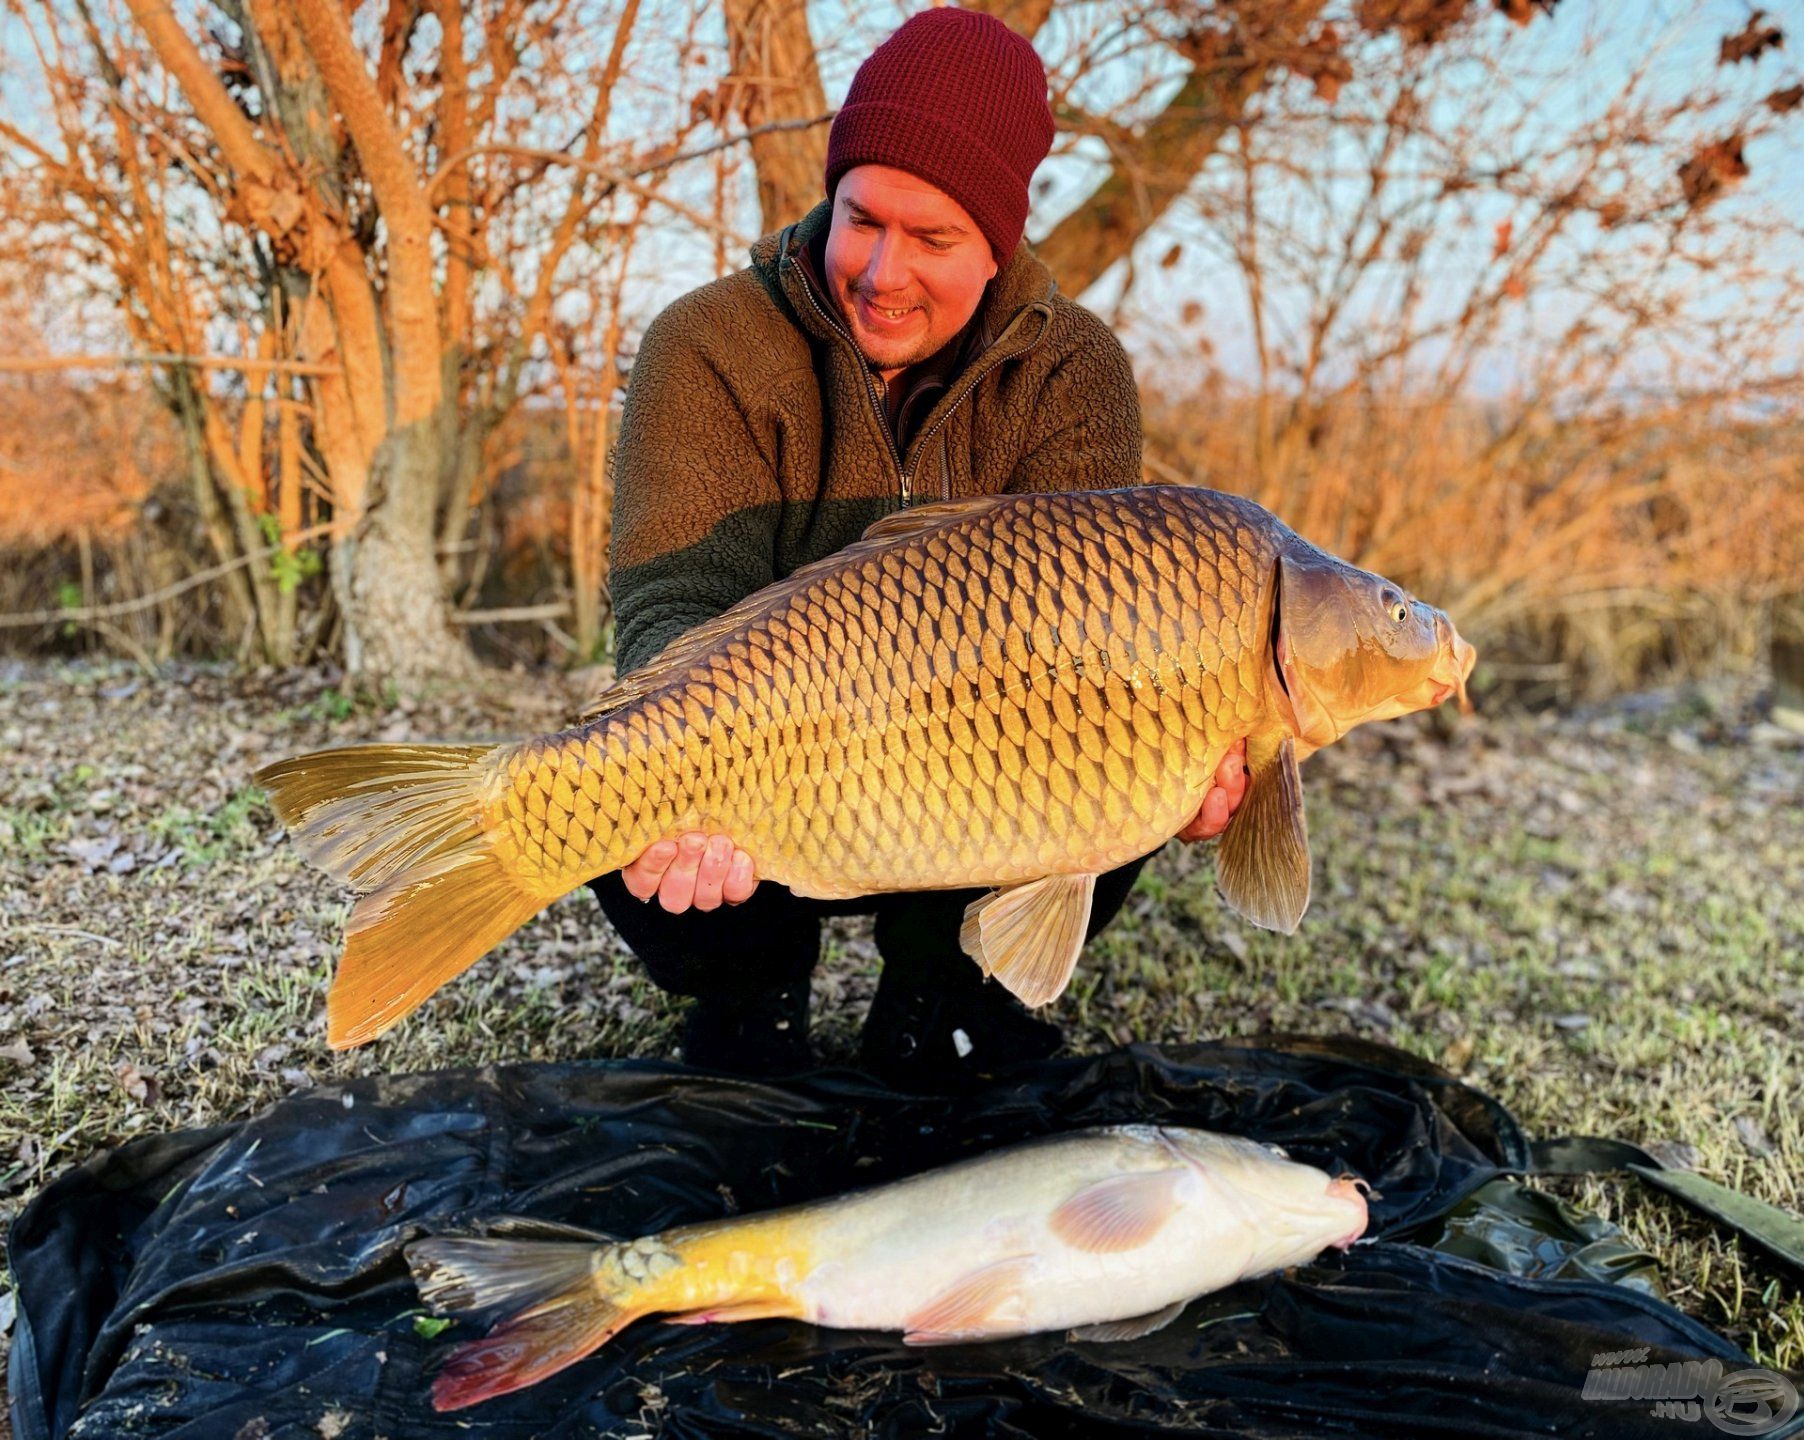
column 416, row 200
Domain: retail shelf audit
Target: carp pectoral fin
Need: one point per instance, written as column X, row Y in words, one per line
column 1123, row 1212
column 1133, row 1327
column 1029, row 936
column 1262, row 862
column 967, row 1308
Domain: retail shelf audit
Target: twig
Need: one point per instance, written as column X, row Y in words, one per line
column 23, row 365
column 548, row 611
column 71, row 931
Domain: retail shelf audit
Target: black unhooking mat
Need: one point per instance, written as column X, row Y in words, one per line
column 247, row 1283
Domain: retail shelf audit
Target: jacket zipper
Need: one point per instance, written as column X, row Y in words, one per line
column 971, row 379
column 870, row 387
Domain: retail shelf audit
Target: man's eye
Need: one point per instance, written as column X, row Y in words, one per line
column 939, row 247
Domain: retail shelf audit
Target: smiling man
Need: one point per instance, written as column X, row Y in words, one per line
column 896, row 346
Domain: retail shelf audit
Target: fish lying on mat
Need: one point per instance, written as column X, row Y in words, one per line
column 1016, row 691
column 1109, row 1232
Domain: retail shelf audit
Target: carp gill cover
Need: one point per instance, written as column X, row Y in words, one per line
column 1013, row 691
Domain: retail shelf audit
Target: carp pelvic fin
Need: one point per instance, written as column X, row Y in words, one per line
column 566, row 1313
column 1133, row 1328
column 1029, row 936
column 1262, row 862
column 970, row 1306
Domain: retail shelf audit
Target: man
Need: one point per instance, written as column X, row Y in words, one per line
column 896, row 346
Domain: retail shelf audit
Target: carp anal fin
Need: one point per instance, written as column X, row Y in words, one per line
column 1133, row 1327
column 1262, row 862
column 1029, row 936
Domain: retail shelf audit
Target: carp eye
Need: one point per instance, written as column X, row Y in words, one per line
column 1395, row 607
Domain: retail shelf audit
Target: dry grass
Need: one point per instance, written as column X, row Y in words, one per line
column 1597, row 920
column 1589, row 555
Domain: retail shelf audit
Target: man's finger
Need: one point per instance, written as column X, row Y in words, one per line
column 711, row 874
column 742, row 879
column 1231, row 775
column 676, row 891
column 642, row 876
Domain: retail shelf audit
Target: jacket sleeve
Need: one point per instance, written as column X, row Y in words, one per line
column 1087, row 424
column 696, row 501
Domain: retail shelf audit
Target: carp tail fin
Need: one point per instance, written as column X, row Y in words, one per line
column 405, row 826
column 571, row 1302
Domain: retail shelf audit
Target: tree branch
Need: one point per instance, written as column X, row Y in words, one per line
column 413, row 310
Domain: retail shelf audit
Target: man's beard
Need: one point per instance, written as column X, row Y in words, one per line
column 893, row 359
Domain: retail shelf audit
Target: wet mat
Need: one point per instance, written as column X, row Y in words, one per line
column 247, row 1283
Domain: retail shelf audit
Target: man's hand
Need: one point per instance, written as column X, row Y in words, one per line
column 695, row 871
column 1223, row 799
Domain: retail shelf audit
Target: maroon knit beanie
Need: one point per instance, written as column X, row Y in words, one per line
column 959, row 100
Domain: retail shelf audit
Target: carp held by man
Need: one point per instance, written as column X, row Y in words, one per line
column 1107, row 1233
column 1012, row 691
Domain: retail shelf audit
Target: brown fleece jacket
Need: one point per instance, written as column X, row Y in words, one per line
column 754, row 440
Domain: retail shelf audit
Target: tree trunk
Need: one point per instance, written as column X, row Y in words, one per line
column 774, row 77
column 397, row 622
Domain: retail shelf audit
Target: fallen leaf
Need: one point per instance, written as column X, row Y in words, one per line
column 19, row 1053
column 1748, row 1128
column 138, row 1084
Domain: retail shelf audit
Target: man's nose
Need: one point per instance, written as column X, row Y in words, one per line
column 887, row 272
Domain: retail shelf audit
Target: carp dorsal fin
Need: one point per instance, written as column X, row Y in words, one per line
column 682, row 653
column 1029, row 936
column 1262, row 862
column 917, row 518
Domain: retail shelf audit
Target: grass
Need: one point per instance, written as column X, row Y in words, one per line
column 1599, row 923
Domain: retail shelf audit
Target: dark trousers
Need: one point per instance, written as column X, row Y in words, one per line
column 774, row 938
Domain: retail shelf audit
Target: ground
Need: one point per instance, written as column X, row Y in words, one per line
column 1597, row 919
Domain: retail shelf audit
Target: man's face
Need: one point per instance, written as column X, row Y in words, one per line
column 905, row 263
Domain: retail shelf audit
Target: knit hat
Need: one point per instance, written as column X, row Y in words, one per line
column 959, row 100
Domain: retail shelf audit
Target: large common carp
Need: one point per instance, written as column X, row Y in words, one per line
column 1015, row 691
column 1109, row 1232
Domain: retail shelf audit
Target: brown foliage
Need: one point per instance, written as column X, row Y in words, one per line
column 1752, row 41
column 1321, row 61
column 1601, row 545
column 1714, row 170
column 79, row 458
column 1419, row 22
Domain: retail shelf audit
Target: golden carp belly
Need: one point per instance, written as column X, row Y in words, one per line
column 1038, row 689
